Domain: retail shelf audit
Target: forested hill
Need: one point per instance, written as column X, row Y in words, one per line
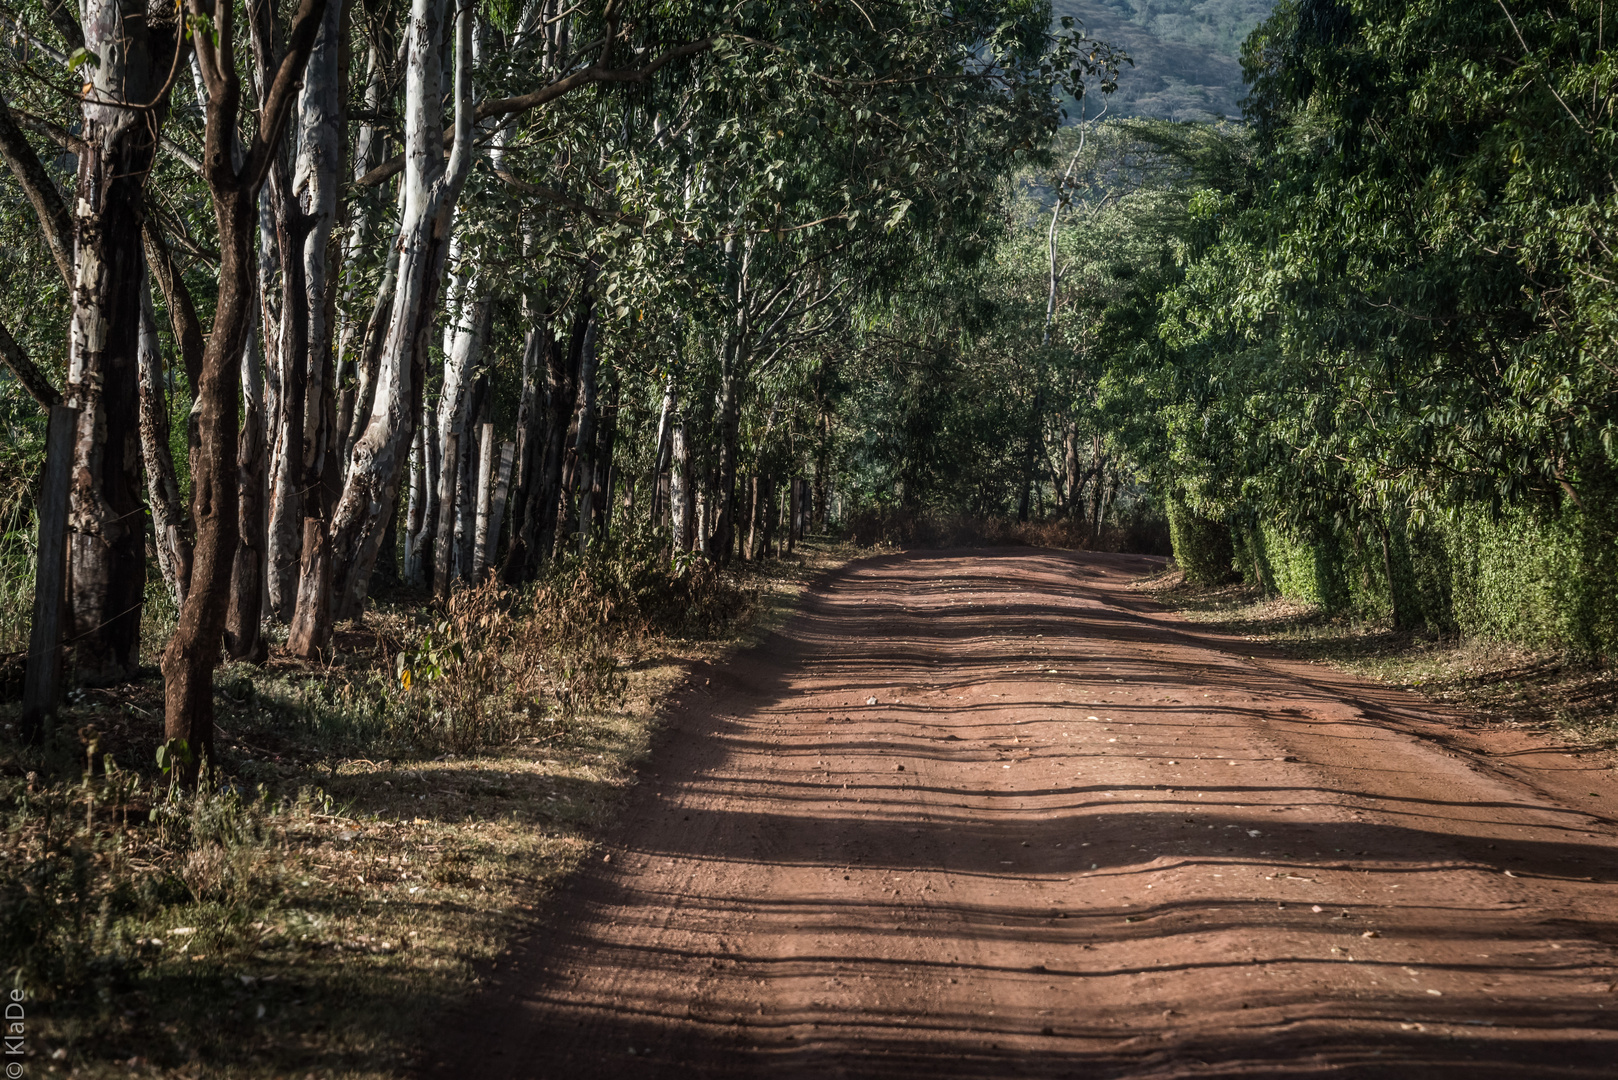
column 1185, row 52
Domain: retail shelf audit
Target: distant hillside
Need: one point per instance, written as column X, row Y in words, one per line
column 1185, row 53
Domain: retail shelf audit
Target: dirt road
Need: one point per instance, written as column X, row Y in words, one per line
column 992, row 814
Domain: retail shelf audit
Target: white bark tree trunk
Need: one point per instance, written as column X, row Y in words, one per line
column 320, row 123
column 430, row 191
column 134, row 52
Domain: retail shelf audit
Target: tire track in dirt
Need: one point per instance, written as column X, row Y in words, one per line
column 988, row 814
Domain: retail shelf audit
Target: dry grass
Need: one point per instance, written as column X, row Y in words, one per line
column 338, row 884
column 1499, row 682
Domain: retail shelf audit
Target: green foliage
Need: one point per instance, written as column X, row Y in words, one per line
column 1519, row 577
column 1202, row 545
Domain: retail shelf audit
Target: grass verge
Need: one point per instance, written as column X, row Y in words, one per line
column 1500, row 683
column 363, row 847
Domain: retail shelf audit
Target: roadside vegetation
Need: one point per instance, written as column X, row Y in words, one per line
column 364, row 843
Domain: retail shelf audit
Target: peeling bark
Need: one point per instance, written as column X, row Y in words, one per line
column 430, row 190
column 136, row 47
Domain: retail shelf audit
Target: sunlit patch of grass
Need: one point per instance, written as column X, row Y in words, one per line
column 1498, row 682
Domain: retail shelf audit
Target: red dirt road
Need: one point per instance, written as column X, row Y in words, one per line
column 1073, row 836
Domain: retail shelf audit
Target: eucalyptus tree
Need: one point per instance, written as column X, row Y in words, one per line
column 235, row 168
column 126, row 56
column 430, row 192
column 303, row 200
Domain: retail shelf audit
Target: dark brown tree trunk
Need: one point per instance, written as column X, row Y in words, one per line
column 194, row 650
column 561, row 398
column 244, row 637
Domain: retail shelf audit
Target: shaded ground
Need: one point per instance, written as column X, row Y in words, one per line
column 1072, row 836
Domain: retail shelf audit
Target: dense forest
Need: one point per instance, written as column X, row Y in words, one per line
column 346, row 310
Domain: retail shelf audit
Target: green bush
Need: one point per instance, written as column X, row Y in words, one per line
column 1203, row 547
column 1530, row 576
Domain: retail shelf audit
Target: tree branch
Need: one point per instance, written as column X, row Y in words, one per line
column 37, row 184
column 595, row 73
column 177, row 298
column 282, row 91
column 33, row 380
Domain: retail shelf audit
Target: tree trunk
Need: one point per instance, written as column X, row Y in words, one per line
column 729, row 424
column 1098, row 471
column 1070, row 469
column 822, row 503
column 42, row 678
column 417, row 511
column 443, row 547
column 483, row 500
column 1031, row 455
column 244, row 632
column 194, row 650
column 772, row 513
column 497, row 511
column 471, row 463
column 1396, row 606
column 794, row 514
column 660, row 452
column 561, row 398
column 530, row 433
column 369, row 359
column 321, row 144
column 459, row 403
column 135, row 52
column 601, row 479
column 430, row 189
column 750, row 546
column 425, row 524
column 291, row 362
column 310, row 634
column 162, row 488
column 365, row 146
column 680, row 508
column 584, row 445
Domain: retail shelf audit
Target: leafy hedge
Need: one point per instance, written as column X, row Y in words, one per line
column 1202, row 546
column 1525, row 576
